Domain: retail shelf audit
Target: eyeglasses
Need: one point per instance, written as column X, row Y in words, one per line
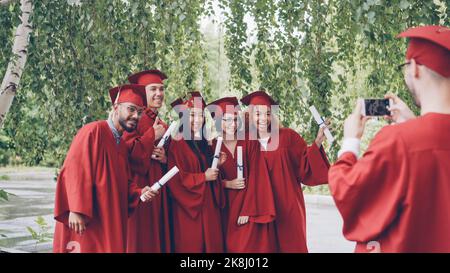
column 133, row 110
column 400, row 67
column 229, row 120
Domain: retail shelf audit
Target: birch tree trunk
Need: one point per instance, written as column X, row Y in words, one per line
column 16, row 65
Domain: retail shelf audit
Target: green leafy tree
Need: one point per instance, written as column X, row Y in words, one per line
column 321, row 52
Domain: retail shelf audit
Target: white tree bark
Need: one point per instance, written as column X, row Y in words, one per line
column 16, row 65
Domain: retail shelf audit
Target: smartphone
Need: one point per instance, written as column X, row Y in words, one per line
column 376, row 107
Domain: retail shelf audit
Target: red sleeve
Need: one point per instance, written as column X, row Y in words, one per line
column 369, row 192
column 134, row 194
column 190, row 180
column 258, row 201
column 218, row 191
column 74, row 188
column 187, row 188
column 317, row 165
column 140, row 148
column 313, row 165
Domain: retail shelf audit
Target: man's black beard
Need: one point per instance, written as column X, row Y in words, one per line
column 125, row 127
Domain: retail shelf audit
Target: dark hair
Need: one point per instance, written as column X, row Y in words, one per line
column 198, row 146
column 250, row 126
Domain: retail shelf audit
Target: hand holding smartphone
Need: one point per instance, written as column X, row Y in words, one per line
column 376, row 107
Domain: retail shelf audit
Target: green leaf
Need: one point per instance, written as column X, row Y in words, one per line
column 404, row 4
column 40, row 221
column 3, row 195
column 33, row 233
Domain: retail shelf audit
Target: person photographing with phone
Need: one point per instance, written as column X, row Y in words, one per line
column 395, row 198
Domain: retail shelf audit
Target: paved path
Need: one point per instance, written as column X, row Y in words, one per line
column 324, row 228
column 34, row 190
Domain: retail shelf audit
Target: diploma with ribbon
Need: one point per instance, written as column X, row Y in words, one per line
column 158, row 184
column 166, row 136
column 321, row 122
column 240, row 166
column 217, row 153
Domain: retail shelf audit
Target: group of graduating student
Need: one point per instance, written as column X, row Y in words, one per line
column 395, row 198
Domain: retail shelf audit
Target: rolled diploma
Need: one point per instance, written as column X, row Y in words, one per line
column 158, row 184
column 217, row 153
column 321, row 123
column 240, row 166
column 166, row 136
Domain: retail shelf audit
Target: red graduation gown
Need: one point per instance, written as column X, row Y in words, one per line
column 255, row 200
column 396, row 198
column 290, row 164
column 148, row 227
column 94, row 181
column 195, row 203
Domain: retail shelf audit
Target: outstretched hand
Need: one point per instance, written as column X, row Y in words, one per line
column 321, row 133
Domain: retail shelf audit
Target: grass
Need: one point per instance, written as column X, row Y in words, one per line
column 4, row 177
column 322, row 190
column 4, row 195
column 13, row 169
column 43, row 233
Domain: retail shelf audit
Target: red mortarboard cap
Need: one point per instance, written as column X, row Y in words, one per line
column 147, row 77
column 176, row 102
column 193, row 100
column 429, row 46
column 258, row 98
column 134, row 93
column 227, row 105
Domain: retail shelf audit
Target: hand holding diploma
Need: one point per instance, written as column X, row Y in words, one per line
column 235, row 184
column 239, row 182
column 158, row 149
column 159, row 154
column 222, row 158
column 211, row 174
column 321, row 134
column 158, row 128
column 149, row 192
column 324, row 125
column 240, row 166
column 217, row 153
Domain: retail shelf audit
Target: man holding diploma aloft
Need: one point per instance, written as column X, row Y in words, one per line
column 290, row 162
column 250, row 210
column 95, row 192
column 396, row 197
column 148, row 227
column 196, row 194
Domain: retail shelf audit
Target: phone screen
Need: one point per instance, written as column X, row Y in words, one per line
column 377, row 107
